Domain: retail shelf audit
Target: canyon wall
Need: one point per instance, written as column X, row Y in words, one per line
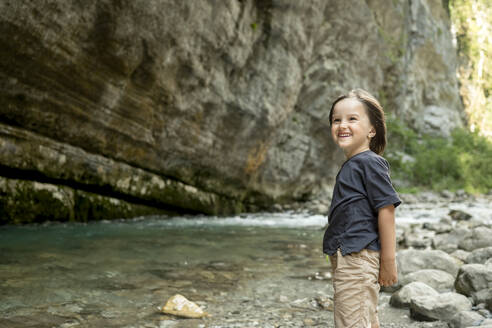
column 205, row 106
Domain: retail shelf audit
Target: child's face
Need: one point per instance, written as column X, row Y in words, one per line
column 350, row 127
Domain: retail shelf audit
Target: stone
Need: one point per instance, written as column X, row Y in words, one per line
column 411, row 260
column 166, row 88
column 449, row 242
column 439, row 227
column 473, row 278
column 438, row 307
column 465, row 319
column 459, row 215
column 403, row 297
column 479, row 238
column 437, row 279
column 325, row 303
column 479, row 255
column 178, row 305
column 483, row 296
column 417, row 237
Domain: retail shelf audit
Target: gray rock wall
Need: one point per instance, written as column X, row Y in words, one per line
column 224, row 101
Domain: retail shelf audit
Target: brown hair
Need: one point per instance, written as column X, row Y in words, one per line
column 376, row 116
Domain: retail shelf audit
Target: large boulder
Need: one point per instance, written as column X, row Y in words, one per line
column 449, row 242
column 473, row 278
column 479, row 237
column 412, row 260
column 437, row 279
column 438, row 307
column 479, row 255
column 466, row 319
column 403, row 297
column 483, row 296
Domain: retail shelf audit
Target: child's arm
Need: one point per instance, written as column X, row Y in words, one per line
column 386, row 221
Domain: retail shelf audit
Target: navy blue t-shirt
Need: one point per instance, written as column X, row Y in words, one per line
column 362, row 187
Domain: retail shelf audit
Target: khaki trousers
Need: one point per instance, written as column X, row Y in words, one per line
column 355, row 280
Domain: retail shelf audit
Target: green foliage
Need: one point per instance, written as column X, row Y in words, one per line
column 463, row 161
column 473, row 26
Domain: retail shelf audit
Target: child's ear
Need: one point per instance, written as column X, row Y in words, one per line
column 372, row 133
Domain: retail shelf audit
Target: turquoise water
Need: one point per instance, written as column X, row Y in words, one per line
column 119, row 273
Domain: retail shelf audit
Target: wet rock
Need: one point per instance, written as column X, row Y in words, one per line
column 465, row 319
column 437, row 279
column 479, row 255
column 180, row 306
column 403, row 297
column 473, row 278
column 412, row 260
column 459, row 215
column 438, row 307
column 479, row 238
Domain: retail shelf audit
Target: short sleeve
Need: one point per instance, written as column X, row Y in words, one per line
column 380, row 191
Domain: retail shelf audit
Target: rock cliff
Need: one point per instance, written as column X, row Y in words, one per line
column 207, row 106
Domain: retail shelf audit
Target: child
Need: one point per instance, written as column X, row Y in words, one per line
column 360, row 238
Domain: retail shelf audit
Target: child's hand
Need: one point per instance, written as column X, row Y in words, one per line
column 388, row 274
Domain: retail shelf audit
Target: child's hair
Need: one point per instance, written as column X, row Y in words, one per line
column 376, row 116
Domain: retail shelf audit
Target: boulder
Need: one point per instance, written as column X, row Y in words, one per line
column 479, row 255
column 479, row 238
column 403, row 297
column 483, row 296
column 473, row 278
column 437, row 279
column 465, row 319
column 438, row 307
column 416, row 237
column 411, row 260
column 448, row 242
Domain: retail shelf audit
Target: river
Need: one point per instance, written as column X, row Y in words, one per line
column 252, row 270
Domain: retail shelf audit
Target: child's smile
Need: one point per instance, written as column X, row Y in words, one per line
column 350, row 127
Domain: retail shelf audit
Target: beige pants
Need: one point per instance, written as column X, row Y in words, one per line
column 355, row 280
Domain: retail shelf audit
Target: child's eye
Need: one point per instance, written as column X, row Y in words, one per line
column 336, row 120
column 353, row 118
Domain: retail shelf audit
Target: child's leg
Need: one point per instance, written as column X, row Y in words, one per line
column 355, row 281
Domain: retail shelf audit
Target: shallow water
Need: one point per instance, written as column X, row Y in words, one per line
column 263, row 270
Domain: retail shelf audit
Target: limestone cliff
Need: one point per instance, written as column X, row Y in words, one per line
column 207, row 106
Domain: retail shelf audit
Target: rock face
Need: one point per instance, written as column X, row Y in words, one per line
column 208, row 106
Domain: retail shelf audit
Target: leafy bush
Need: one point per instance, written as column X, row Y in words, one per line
column 463, row 161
